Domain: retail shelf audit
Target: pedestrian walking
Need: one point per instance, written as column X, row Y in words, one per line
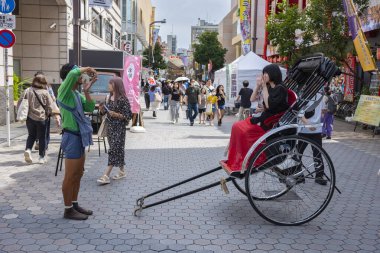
column 166, row 91
column 244, row 97
column 211, row 105
column 220, row 103
column 155, row 96
column 146, row 95
column 202, row 106
column 209, row 87
column 175, row 101
column 40, row 108
column 77, row 133
column 118, row 111
column 328, row 113
column 192, row 99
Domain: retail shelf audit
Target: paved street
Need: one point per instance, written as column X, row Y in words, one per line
column 31, row 204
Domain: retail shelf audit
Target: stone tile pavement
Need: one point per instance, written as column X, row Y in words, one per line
column 31, row 202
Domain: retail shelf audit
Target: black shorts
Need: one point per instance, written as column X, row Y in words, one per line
column 201, row 110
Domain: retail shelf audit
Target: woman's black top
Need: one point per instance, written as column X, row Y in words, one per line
column 277, row 102
column 221, row 100
column 176, row 95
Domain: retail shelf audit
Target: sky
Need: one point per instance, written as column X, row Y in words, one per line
column 182, row 14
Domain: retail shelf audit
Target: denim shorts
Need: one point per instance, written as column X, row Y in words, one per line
column 71, row 145
column 221, row 107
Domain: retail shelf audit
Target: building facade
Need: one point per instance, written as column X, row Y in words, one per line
column 200, row 28
column 137, row 15
column 171, row 44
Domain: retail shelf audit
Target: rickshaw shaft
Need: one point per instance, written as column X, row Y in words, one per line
column 183, row 182
column 186, row 194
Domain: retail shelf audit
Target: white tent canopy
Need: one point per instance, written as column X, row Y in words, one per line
column 247, row 67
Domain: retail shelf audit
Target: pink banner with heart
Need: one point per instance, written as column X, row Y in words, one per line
column 131, row 79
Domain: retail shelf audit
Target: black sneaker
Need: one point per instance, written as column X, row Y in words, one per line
column 328, row 138
column 320, row 180
column 191, row 123
column 72, row 214
column 82, row 210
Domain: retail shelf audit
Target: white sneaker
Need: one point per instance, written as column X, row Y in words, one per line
column 28, row 156
column 104, row 180
column 41, row 160
column 288, row 163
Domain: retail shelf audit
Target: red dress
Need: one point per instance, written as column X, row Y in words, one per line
column 244, row 134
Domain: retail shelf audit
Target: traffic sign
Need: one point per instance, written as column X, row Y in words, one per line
column 7, row 21
column 7, row 6
column 7, row 38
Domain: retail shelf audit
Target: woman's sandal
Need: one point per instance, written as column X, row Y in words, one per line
column 120, row 175
column 104, row 180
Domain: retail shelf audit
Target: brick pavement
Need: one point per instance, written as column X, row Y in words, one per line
column 31, row 203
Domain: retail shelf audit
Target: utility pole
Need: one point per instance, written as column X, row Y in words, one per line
column 77, row 33
column 254, row 38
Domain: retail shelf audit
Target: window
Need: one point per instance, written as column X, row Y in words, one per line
column 141, row 16
column 117, row 40
column 109, row 32
column 96, row 26
column 83, row 12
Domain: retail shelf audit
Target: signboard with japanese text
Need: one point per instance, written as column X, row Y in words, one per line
column 368, row 110
column 131, row 79
column 349, row 81
column 7, row 21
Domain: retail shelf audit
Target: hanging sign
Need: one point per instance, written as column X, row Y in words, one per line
column 131, row 79
column 7, row 21
column 100, row 3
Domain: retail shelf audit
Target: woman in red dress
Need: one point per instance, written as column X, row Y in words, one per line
column 245, row 133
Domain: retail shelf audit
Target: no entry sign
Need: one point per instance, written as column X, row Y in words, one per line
column 7, row 38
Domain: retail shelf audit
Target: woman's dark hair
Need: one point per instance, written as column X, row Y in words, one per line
column 153, row 87
column 218, row 88
column 274, row 73
column 177, row 86
column 39, row 82
column 65, row 70
column 118, row 88
column 245, row 83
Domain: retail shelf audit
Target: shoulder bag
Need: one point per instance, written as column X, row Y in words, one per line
column 23, row 109
column 103, row 128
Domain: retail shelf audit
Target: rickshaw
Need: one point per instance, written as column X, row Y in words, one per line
column 276, row 177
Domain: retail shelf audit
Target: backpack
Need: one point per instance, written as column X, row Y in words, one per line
column 331, row 105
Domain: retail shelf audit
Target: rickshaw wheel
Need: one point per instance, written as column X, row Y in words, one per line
column 238, row 187
column 282, row 188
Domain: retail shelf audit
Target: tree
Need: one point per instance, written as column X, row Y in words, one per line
column 282, row 30
column 209, row 48
column 158, row 62
column 323, row 26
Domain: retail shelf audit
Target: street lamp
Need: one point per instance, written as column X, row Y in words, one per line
column 150, row 37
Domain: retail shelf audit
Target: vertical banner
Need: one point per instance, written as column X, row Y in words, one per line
column 245, row 25
column 155, row 36
column 360, row 42
column 349, row 81
column 131, row 79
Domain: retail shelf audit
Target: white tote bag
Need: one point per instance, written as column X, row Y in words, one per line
column 23, row 109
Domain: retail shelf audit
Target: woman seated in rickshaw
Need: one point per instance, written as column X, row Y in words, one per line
column 245, row 133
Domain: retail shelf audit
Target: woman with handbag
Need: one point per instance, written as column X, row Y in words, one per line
column 118, row 112
column 155, row 99
column 175, row 101
column 40, row 107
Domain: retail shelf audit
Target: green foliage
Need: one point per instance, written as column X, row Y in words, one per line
column 159, row 62
column 323, row 25
column 16, row 86
column 209, row 48
column 282, row 28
